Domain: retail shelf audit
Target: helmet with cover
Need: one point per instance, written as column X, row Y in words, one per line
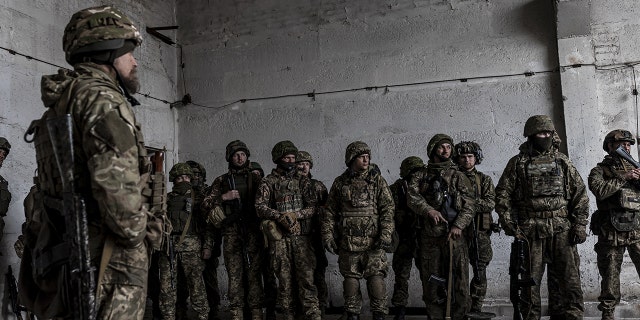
column 409, row 164
column 354, row 150
column 304, row 156
column 537, row 124
column 282, row 149
column 179, row 169
column 99, row 34
column 235, row 146
column 436, row 141
column 469, row 147
column 198, row 168
column 618, row 135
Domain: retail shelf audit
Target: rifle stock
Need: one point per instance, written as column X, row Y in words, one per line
column 623, row 154
column 520, row 275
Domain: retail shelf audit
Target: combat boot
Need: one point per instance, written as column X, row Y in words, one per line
column 400, row 312
column 271, row 313
column 378, row 316
column 608, row 314
column 236, row 314
column 256, row 314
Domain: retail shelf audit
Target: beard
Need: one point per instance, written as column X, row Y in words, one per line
column 131, row 82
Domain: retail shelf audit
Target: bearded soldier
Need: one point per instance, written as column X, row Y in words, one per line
column 286, row 202
column 469, row 154
column 5, row 195
column 406, row 223
column 232, row 209
column 304, row 162
column 542, row 199
column 615, row 183
column 357, row 225
column 443, row 197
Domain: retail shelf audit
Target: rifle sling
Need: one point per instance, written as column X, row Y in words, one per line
column 186, row 225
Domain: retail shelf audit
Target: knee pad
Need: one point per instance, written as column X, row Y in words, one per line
column 351, row 286
column 377, row 287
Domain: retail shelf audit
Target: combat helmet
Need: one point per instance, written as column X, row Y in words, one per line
column 235, row 146
column 538, row 123
column 282, row 149
column 469, row 147
column 197, row 167
column 409, row 164
column 5, row 145
column 355, row 149
column 617, row 135
column 99, row 34
column 256, row 166
column 435, row 142
column 179, row 169
column 304, row 156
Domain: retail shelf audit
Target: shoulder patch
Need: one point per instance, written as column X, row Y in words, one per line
column 114, row 132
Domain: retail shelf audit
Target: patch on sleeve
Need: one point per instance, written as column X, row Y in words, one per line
column 114, row 132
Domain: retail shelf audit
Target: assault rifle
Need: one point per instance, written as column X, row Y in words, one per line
column 12, row 284
column 623, row 154
column 172, row 261
column 236, row 217
column 475, row 258
column 81, row 285
column 520, row 274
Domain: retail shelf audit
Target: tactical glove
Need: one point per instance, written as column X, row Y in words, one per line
column 509, row 229
column 577, row 234
column 330, row 245
column 289, row 222
column 216, row 216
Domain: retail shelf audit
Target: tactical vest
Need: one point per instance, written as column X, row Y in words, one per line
column 243, row 182
column 541, row 190
column 180, row 208
column 436, row 191
column 5, row 198
column 359, row 226
column 545, row 178
column 624, row 207
column 288, row 198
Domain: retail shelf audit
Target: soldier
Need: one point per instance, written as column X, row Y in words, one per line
column 406, row 223
column 5, row 195
column 285, row 201
column 357, row 225
column 232, row 209
column 110, row 170
column 304, row 162
column 469, row 154
column 186, row 247
column 541, row 198
column 615, row 183
column 443, row 197
column 210, row 273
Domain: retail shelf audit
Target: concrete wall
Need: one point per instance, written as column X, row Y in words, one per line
column 35, row 28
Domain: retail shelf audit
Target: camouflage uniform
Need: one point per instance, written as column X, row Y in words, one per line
column 427, row 190
column 358, row 222
column 110, row 167
column 484, row 195
column 5, row 195
column 610, row 188
column 406, row 223
column 541, row 194
column 242, row 239
column 188, row 245
column 284, row 197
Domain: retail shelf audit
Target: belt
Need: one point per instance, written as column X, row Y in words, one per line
column 545, row 214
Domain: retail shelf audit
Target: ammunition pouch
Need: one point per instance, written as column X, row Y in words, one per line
column 306, row 226
column 625, row 221
column 154, row 193
column 359, row 230
column 484, row 221
column 629, row 199
column 545, row 178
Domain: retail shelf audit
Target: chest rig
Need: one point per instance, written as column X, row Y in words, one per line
column 435, row 190
column 180, row 209
column 625, row 210
column 545, row 177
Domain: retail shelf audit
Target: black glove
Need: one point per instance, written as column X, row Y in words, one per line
column 577, row 234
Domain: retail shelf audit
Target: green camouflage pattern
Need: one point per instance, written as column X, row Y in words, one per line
column 545, row 219
column 468, row 147
column 282, row 149
column 409, row 164
column 320, row 193
column 235, row 146
column 606, row 184
column 536, row 124
column 370, row 265
column 179, row 169
column 304, row 156
column 355, row 149
column 435, row 141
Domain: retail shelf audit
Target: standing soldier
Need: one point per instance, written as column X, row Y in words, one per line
column 357, row 225
column 319, row 190
column 443, row 196
column 5, row 195
column 406, row 223
column 469, row 154
column 285, row 201
column 232, row 209
column 541, row 198
column 105, row 165
column 186, row 248
column 615, row 183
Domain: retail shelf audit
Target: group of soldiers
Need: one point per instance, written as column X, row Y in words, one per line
column 98, row 223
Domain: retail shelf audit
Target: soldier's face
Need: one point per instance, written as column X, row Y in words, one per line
column 626, row 145
column 239, row 158
column 127, row 68
column 443, row 152
column 182, row 178
column 197, row 178
column 467, row 161
column 3, row 155
column 290, row 158
column 304, row 167
column 361, row 162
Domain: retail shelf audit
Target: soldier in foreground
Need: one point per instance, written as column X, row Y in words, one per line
column 5, row 195
column 542, row 199
column 357, row 225
column 105, row 166
column 406, row 222
column 615, row 182
column 443, row 196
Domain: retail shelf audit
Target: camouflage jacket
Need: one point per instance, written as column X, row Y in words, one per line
column 210, row 236
column 319, row 194
column 279, row 192
column 406, row 221
column 485, row 195
column 423, row 197
column 359, row 211
column 182, row 205
column 246, row 183
column 543, row 193
column 607, row 185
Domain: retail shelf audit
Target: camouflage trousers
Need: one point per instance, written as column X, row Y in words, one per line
column 609, row 265
column 294, row 258
column 122, row 302
column 402, row 263
column 370, row 265
column 244, row 269
column 434, row 260
column 563, row 278
column 478, row 285
column 187, row 261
